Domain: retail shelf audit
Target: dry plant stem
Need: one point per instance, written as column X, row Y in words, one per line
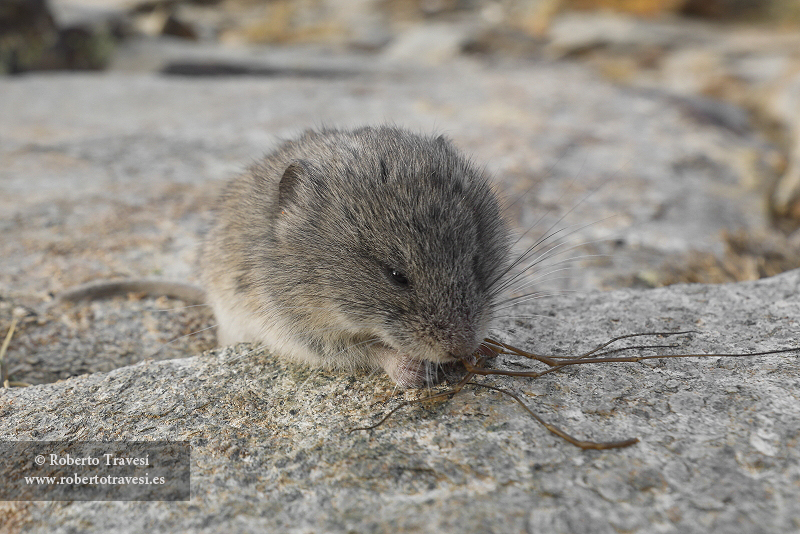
column 556, row 362
column 3, row 349
column 491, row 348
column 450, row 392
column 579, row 361
column 553, row 360
column 484, row 354
column 585, row 445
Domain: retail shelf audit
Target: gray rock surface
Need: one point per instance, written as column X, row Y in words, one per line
column 130, row 163
column 755, row 68
column 271, row 451
column 115, row 175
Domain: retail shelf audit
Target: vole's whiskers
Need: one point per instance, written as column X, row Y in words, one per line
column 527, row 316
column 557, row 202
column 555, row 249
column 547, row 276
column 552, row 243
column 552, row 250
column 549, row 233
column 519, row 299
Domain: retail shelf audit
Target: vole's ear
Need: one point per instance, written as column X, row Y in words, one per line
column 291, row 185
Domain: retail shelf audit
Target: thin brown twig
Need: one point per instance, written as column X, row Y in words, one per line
column 491, row 348
column 450, row 392
column 603, row 445
column 556, row 360
column 3, row 349
column 619, row 349
column 582, row 361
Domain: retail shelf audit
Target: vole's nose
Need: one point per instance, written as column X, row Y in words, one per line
column 459, row 346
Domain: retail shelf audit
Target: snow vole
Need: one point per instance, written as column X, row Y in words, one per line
column 369, row 248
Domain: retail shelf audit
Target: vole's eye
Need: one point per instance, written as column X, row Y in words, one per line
column 397, row 277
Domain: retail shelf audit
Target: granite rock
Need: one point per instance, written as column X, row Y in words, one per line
column 272, row 448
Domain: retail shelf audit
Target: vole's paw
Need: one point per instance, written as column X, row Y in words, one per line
column 410, row 372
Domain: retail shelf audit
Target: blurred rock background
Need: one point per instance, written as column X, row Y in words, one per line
column 735, row 62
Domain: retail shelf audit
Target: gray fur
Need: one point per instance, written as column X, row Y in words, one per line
column 302, row 254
